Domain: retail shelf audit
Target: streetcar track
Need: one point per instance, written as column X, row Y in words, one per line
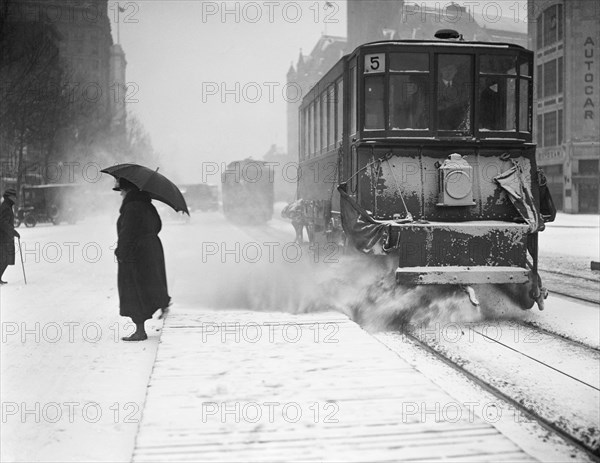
column 530, row 414
column 578, row 277
column 562, row 337
column 536, row 360
column 577, row 298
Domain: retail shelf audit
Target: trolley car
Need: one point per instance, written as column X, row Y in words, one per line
column 422, row 150
column 247, row 192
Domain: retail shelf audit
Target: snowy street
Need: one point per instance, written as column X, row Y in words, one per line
column 73, row 391
column 324, row 223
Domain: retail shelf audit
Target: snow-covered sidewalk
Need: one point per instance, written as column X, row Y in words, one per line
column 70, row 389
column 271, row 386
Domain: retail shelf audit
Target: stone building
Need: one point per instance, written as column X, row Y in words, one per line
column 95, row 65
column 565, row 36
column 371, row 21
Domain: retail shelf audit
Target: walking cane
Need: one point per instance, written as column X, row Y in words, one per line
column 22, row 264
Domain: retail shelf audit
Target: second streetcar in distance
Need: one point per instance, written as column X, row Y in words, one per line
column 248, row 192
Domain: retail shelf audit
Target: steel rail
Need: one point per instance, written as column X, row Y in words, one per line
column 578, row 277
column 538, row 361
column 594, row 455
column 577, row 298
column 562, row 337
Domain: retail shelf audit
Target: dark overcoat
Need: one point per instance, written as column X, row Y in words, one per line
column 142, row 277
column 7, row 233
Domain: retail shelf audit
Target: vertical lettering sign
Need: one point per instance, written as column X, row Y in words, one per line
column 374, row 63
column 589, row 79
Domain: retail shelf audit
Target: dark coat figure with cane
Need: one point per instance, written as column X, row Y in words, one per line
column 7, row 231
column 142, row 279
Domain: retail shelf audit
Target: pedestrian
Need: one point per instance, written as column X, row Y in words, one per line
column 7, row 231
column 142, row 278
column 294, row 212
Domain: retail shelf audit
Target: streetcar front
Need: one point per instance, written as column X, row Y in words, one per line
column 437, row 164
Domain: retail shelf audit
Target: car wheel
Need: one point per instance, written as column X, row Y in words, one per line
column 30, row 221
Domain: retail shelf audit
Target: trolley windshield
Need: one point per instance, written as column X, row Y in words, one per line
column 480, row 92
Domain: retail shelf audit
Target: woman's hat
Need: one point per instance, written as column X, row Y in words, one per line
column 10, row 192
column 123, row 184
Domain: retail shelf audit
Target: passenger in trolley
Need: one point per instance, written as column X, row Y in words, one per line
column 454, row 93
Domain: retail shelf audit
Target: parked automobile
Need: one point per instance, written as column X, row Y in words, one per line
column 53, row 203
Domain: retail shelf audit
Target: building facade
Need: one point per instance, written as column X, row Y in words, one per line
column 308, row 70
column 371, row 21
column 95, row 65
column 565, row 36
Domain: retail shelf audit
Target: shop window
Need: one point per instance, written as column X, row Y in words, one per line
column 551, row 25
column 550, row 80
column 550, row 136
column 559, row 77
column 588, row 166
column 559, row 129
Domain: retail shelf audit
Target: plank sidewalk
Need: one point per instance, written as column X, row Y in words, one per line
column 263, row 386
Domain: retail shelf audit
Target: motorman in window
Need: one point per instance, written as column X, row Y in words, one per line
column 453, row 96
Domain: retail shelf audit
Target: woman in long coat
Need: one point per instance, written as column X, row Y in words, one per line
column 142, row 278
column 7, row 231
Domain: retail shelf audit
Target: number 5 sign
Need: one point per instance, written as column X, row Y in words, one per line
column 374, row 63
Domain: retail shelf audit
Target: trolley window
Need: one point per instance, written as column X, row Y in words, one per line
column 454, row 89
column 331, row 116
column 524, row 113
column 409, row 91
column 374, row 112
column 311, row 130
column 353, row 100
column 303, row 133
column 498, row 93
column 409, row 62
column 317, row 126
column 324, row 119
column 340, row 110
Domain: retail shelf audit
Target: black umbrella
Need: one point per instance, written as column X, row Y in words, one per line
column 156, row 185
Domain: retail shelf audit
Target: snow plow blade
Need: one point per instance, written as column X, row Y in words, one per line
column 460, row 275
